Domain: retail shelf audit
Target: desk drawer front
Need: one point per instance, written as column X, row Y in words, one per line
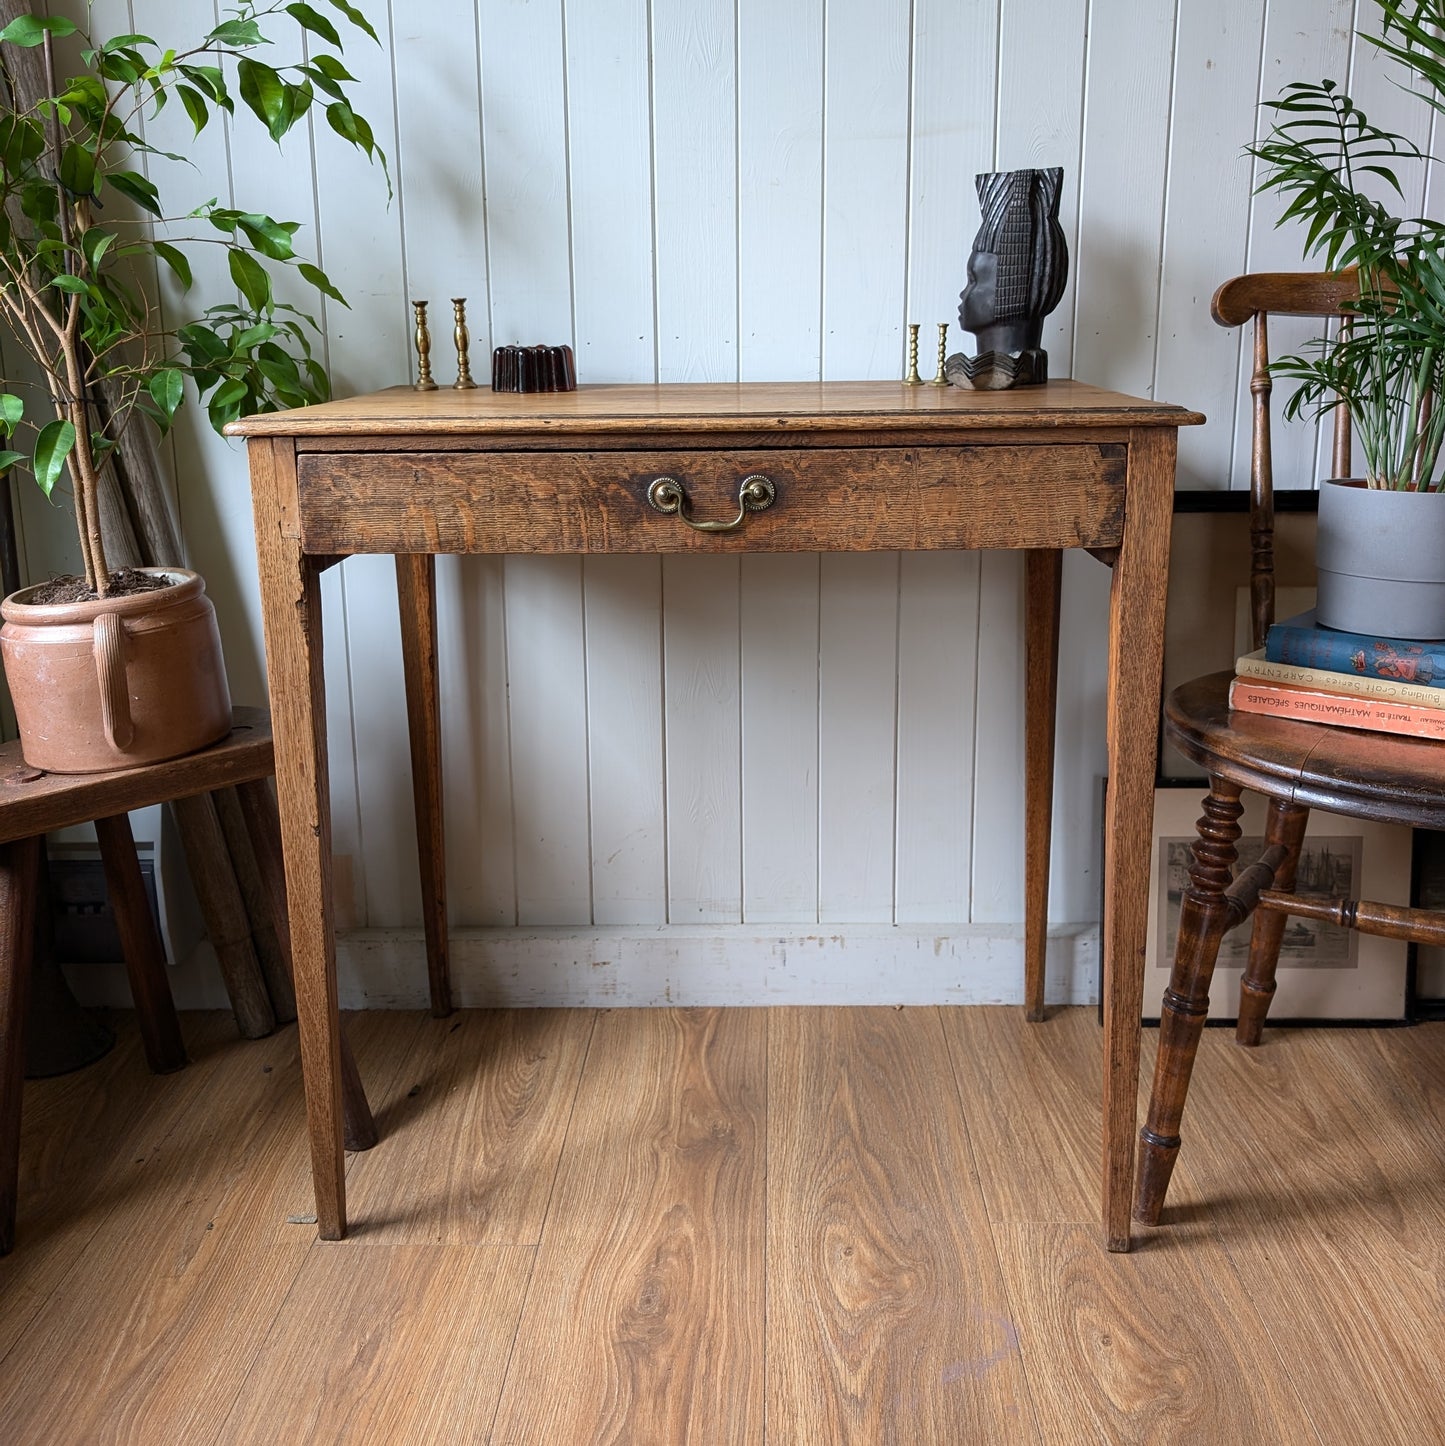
column 827, row 500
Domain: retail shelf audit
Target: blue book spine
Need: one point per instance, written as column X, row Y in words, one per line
column 1300, row 640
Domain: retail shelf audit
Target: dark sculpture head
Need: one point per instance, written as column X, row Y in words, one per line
column 1019, row 263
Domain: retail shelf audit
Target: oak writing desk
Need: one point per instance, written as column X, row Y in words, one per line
column 769, row 467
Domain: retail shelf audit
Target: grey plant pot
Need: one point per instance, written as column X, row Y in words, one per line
column 1381, row 560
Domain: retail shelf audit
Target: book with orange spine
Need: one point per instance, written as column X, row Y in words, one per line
column 1339, row 710
column 1322, row 680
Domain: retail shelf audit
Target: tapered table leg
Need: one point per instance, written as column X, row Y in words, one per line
column 416, row 588
column 1043, row 576
column 291, row 615
column 1136, row 652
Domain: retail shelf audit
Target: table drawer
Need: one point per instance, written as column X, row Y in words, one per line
column 825, row 499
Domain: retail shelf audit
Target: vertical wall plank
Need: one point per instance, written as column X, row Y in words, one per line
column 955, row 71
column 546, row 670
column 694, row 114
column 472, row 660
column 624, row 729
column 780, row 188
column 610, row 176
column 704, row 786
column 1206, row 224
column 865, row 186
column 780, row 738
column 439, row 200
column 361, row 250
column 857, row 703
column 937, row 657
column 1040, row 101
column 1303, row 40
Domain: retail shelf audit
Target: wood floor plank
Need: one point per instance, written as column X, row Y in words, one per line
column 403, row 1345
column 1031, row 1095
column 644, row 1317
column 85, row 1138
column 175, row 1290
column 1320, row 1170
column 1162, row 1344
column 888, row 1319
column 471, row 1143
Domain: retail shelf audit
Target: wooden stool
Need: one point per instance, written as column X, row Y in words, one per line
column 32, row 804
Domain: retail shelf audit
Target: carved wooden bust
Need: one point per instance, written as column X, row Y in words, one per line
column 1016, row 276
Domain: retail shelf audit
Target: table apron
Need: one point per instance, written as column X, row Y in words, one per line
column 829, row 499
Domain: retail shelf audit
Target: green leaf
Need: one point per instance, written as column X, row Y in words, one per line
column 135, row 186
column 52, row 447
column 347, row 124
column 77, row 170
column 317, row 24
column 176, row 260
column 73, row 285
column 30, row 30
column 119, row 42
column 356, row 17
column 167, row 389
column 331, row 67
column 265, row 92
column 225, row 403
column 318, row 278
column 195, row 104
column 11, row 459
column 11, row 411
column 209, row 80
column 270, row 238
column 238, row 32
column 250, row 277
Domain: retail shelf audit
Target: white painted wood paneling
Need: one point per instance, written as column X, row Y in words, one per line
column 866, row 90
column 706, row 191
column 780, row 738
column 857, row 723
column 701, row 669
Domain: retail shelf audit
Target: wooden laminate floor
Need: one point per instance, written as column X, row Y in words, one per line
column 791, row 1226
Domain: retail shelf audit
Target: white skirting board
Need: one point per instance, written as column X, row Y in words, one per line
column 675, row 965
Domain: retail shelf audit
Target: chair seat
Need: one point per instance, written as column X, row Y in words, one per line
column 1341, row 770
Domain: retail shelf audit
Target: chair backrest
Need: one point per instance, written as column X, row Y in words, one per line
column 1258, row 295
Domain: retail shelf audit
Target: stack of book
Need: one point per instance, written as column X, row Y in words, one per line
column 1321, row 675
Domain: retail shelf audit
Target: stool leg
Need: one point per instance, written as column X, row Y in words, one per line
column 1286, row 825
column 1203, row 918
column 262, row 823
column 19, row 876
column 1043, row 583
column 140, row 942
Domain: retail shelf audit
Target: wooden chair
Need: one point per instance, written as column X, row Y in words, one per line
column 1296, row 766
column 33, row 803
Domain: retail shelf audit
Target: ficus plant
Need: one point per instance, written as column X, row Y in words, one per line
column 1386, row 363
column 85, row 232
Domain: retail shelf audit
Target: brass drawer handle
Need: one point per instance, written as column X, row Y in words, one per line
column 754, row 495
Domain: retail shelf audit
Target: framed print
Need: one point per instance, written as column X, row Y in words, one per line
column 1324, row 972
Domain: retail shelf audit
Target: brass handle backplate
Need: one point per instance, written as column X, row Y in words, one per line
column 755, row 494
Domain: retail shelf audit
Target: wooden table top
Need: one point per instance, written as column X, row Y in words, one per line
column 716, row 406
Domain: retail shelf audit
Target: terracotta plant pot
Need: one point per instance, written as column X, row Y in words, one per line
column 1380, row 556
column 117, row 682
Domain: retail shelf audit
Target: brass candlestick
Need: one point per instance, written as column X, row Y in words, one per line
column 940, row 380
column 424, row 382
column 463, row 340
column 913, row 379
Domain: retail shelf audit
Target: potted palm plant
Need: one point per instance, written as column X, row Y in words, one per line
column 124, row 667
column 1381, row 548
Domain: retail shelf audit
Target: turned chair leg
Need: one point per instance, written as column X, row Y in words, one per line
column 1204, row 916
column 1286, row 825
column 19, row 879
column 140, row 945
